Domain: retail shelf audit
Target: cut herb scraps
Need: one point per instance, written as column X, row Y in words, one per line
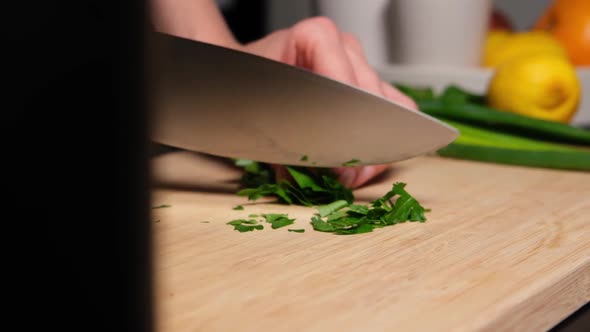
column 320, row 188
column 245, row 225
column 308, row 187
column 396, row 206
column 278, row 220
column 342, row 218
column 350, row 163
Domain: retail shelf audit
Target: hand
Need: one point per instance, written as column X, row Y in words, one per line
column 318, row 45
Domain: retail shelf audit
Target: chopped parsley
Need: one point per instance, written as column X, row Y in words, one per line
column 351, row 163
column 320, row 188
column 278, row 220
column 396, row 206
column 245, row 225
column 308, row 188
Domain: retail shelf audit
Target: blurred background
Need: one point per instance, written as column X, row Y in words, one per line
column 263, row 16
column 284, row 12
column 434, row 44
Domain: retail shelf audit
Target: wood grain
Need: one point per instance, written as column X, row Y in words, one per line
column 504, row 249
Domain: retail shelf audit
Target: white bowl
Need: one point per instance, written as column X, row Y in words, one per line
column 473, row 79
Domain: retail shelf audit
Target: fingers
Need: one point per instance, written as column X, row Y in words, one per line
column 318, row 47
column 354, row 177
column 351, row 177
column 366, row 77
column 317, row 44
column 322, row 48
column 394, row 94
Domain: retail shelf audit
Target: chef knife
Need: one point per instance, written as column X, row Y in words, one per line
column 233, row 104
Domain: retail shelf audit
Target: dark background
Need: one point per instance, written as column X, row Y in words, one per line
column 78, row 154
column 247, row 19
column 80, row 252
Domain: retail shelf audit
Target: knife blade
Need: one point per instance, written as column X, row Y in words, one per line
column 233, row 104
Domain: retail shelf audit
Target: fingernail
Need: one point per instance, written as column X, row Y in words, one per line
column 347, row 177
column 364, row 174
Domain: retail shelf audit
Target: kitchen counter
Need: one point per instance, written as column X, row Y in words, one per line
column 505, row 248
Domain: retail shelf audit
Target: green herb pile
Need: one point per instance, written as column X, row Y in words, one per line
column 319, row 187
column 308, row 188
column 397, row 206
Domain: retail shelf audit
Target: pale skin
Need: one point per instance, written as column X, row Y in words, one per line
column 316, row 44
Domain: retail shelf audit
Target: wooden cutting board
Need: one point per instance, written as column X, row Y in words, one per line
column 504, row 249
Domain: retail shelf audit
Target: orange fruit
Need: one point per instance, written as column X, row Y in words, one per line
column 569, row 22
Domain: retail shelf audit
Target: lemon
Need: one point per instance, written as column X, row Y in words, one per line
column 539, row 85
column 501, row 46
column 494, row 40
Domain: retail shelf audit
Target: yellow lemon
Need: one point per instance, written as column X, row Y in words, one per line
column 501, row 46
column 543, row 86
column 494, row 39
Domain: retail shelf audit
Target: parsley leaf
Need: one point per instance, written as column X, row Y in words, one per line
column 239, row 208
column 406, row 208
column 360, row 209
column 255, row 173
column 266, row 190
column 304, row 158
column 320, row 225
column 325, row 210
column 245, row 225
column 271, row 217
column 351, row 163
column 304, row 180
column 247, row 228
column 362, row 228
column 161, row 206
column 242, row 221
column 277, row 220
column 308, row 188
column 297, row 230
